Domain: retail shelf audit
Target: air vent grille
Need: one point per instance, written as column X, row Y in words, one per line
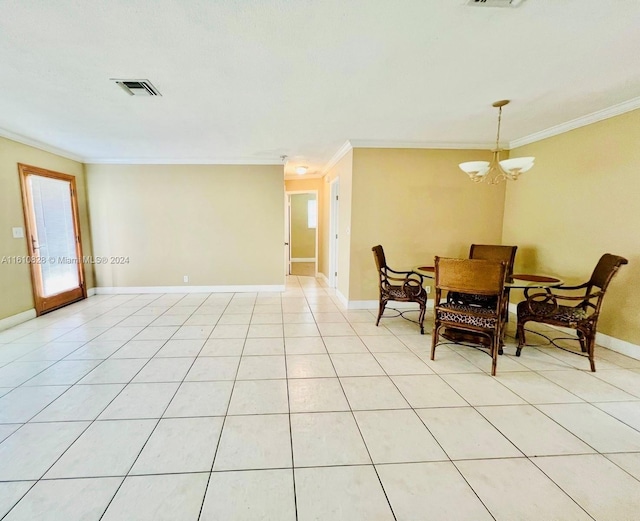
column 138, row 87
column 495, row 3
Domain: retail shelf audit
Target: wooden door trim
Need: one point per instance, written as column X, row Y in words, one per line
column 45, row 304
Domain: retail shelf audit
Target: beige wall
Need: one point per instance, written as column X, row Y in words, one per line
column 15, row 280
column 218, row 224
column 303, row 238
column 317, row 184
column 343, row 171
column 417, row 204
column 582, row 199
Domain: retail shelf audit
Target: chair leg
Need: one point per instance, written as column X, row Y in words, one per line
column 591, row 343
column 583, row 341
column 494, row 354
column 434, row 341
column 423, row 311
column 520, row 336
column 383, row 303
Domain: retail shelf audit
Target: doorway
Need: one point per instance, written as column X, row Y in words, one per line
column 302, row 233
column 333, row 233
column 53, row 237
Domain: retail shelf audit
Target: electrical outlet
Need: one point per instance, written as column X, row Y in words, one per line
column 427, row 289
column 18, row 233
column 185, row 278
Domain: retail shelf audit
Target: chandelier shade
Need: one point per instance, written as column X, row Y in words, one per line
column 497, row 170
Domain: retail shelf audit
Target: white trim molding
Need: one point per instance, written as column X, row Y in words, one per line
column 18, row 138
column 19, row 318
column 583, row 121
column 323, row 277
column 447, row 145
column 619, row 346
column 91, row 292
column 128, row 290
column 180, row 161
column 341, row 152
column 343, row 300
column 303, row 259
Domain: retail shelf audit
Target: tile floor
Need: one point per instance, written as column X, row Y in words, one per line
column 286, row 406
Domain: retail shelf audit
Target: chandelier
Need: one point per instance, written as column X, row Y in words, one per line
column 497, row 170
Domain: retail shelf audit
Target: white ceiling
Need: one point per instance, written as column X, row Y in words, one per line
column 250, row 80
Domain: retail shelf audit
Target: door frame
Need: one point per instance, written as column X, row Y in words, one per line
column 334, row 205
column 45, row 304
column 287, row 202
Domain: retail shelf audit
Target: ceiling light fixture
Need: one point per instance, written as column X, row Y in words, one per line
column 301, row 170
column 497, row 170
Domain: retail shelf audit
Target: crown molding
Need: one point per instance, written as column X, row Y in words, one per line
column 342, row 151
column 19, row 138
column 373, row 143
column 582, row 121
column 179, row 161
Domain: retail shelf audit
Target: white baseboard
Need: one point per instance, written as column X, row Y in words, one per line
column 127, row 290
column 343, row 300
column 323, row 277
column 91, row 292
column 619, row 346
column 304, row 259
column 19, row 318
column 615, row 344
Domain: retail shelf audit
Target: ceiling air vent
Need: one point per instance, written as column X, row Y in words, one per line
column 138, row 87
column 495, row 3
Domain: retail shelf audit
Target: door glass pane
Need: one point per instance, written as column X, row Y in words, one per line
column 56, row 234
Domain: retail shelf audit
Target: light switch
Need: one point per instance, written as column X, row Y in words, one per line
column 18, row 233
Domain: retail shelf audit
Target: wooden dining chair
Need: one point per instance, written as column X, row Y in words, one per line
column 470, row 277
column 493, row 252
column 581, row 311
column 399, row 286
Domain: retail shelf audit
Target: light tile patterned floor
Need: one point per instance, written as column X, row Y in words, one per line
column 287, row 407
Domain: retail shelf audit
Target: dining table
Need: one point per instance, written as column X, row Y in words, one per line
column 516, row 281
column 524, row 281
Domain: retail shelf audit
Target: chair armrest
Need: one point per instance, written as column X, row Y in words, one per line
column 542, row 298
column 580, row 286
column 588, row 296
column 401, row 272
column 410, row 277
column 551, row 298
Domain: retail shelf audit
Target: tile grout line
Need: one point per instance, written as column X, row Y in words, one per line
column 286, row 373
column 224, row 418
column 436, row 439
column 158, row 419
column 288, row 397
column 355, row 421
column 68, row 447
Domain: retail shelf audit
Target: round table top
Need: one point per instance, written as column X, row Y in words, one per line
column 518, row 280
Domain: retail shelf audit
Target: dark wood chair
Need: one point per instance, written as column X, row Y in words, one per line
column 493, row 252
column 581, row 311
column 471, row 277
column 399, row 286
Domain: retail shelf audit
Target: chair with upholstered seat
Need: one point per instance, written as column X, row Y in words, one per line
column 493, row 252
column 484, row 278
column 399, row 286
column 581, row 311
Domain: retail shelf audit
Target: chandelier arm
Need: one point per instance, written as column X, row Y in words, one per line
column 498, row 133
